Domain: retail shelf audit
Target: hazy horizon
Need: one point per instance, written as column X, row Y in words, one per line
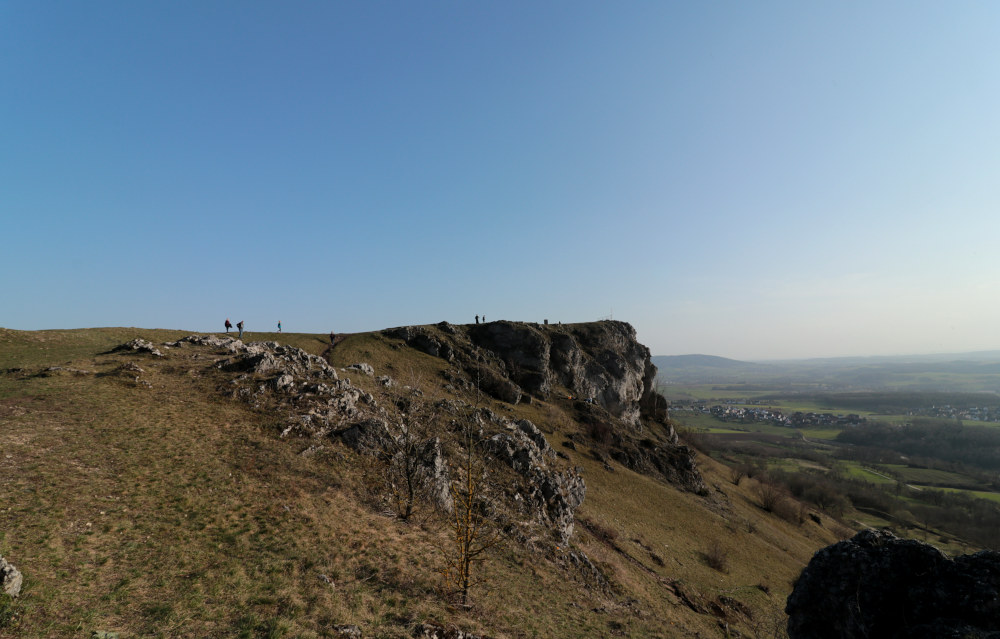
column 768, row 181
column 986, row 352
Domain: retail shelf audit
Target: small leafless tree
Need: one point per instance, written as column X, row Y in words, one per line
column 770, row 494
column 472, row 531
column 737, row 473
column 716, row 556
column 403, row 453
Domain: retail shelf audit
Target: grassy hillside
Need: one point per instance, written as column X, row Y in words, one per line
column 161, row 507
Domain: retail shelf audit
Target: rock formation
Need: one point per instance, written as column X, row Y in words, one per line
column 878, row 585
column 10, row 579
column 141, row 346
column 552, row 495
column 600, row 363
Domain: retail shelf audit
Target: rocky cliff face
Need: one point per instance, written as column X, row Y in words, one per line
column 877, row 585
column 599, row 360
column 600, row 364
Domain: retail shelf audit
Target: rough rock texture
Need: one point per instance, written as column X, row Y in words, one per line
column 599, row 360
column 435, row 475
column 363, row 368
column 271, row 357
column 553, row 495
column 430, row 631
column 10, row 578
column 878, row 585
column 140, row 345
column 601, row 363
column 673, row 462
column 230, row 344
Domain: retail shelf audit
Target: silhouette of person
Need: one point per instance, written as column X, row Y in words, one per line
column 229, row 325
column 239, row 325
column 332, row 338
column 477, row 319
column 279, row 326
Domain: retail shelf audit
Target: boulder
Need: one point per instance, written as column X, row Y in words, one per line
column 535, row 435
column 365, row 436
column 878, row 585
column 284, row 382
column 10, row 578
column 365, row 369
column 434, row 474
column 431, row 631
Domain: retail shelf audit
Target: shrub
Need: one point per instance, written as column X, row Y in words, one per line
column 769, row 494
column 716, row 556
column 600, row 432
column 738, row 472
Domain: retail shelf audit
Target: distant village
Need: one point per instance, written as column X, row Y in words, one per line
column 748, row 411
column 971, row 413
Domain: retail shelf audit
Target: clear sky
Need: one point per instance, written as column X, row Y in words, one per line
column 746, row 179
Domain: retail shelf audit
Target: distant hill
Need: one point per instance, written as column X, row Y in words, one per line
column 956, row 372
column 709, row 369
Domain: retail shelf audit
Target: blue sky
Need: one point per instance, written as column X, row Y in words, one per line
column 751, row 180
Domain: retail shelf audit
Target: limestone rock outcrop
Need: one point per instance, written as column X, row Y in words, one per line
column 516, row 360
column 602, row 361
column 274, row 358
column 431, row 631
column 552, row 494
column 141, row 346
column 878, row 585
column 10, row 578
column 601, row 364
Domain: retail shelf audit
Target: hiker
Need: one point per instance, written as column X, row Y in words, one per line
column 332, row 338
column 279, row 326
column 477, row 319
column 239, row 325
column 229, row 325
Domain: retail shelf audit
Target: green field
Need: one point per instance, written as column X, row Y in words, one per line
column 855, row 469
column 933, row 477
column 981, row 494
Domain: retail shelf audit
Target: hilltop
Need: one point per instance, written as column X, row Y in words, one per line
column 222, row 488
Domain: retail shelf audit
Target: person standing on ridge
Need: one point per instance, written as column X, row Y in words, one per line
column 239, row 325
column 332, row 338
column 229, row 325
column 279, row 326
column 477, row 319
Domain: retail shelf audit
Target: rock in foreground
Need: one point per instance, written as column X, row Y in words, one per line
column 10, row 578
column 878, row 585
